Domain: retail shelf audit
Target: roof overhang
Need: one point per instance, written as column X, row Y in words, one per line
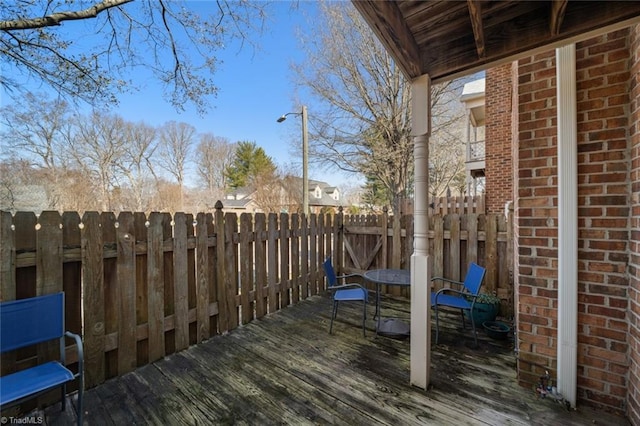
column 449, row 39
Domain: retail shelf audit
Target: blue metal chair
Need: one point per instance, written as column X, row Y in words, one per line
column 463, row 298
column 27, row 322
column 345, row 292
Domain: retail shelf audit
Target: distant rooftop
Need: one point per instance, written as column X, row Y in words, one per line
column 472, row 89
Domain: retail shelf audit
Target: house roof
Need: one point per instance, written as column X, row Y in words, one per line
column 237, row 204
column 473, row 98
column 449, row 39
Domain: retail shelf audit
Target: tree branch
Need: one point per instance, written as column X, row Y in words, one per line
column 56, row 18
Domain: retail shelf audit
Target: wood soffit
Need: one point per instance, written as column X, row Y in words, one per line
column 449, row 39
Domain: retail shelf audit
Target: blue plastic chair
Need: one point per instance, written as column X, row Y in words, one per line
column 345, row 292
column 462, row 298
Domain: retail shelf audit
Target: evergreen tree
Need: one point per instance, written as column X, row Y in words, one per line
column 250, row 164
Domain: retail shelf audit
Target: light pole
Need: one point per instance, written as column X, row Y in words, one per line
column 305, row 157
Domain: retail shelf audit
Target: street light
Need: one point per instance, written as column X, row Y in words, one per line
column 305, row 157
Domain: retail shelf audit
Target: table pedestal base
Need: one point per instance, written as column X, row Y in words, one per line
column 392, row 327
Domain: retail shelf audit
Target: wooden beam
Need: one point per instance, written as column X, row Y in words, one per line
column 475, row 13
column 558, row 7
column 388, row 23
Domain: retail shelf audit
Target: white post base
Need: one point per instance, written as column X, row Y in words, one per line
column 420, row 321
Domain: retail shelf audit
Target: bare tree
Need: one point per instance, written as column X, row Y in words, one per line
column 98, row 151
column 446, row 170
column 213, row 155
column 37, row 130
column 137, row 165
column 176, row 41
column 269, row 194
column 363, row 122
column 176, row 141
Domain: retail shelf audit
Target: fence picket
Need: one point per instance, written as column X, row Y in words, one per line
column 155, row 287
column 283, row 261
column 49, row 253
column 246, row 267
column 93, row 295
column 126, row 282
column 261, row 265
column 231, row 269
column 295, row 258
column 272, row 264
column 7, row 258
column 111, row 293
column 203, row 323
column 142, row 309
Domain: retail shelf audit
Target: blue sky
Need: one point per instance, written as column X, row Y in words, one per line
column 255, row 88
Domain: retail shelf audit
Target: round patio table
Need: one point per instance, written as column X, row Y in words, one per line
column 390, row 327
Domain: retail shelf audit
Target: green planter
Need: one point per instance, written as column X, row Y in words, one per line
column 483, row 312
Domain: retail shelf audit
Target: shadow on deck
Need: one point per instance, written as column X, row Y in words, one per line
column 287, row 369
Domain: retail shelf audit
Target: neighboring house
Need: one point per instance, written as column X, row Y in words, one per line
column 474, row 101
column 580, row 279
column 322, row 198
column 239, row 200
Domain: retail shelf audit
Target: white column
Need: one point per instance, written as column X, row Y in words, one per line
column 420, row 273
column 567, row 223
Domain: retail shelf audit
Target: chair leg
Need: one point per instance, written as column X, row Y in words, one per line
column 364, row 317
column 437, row 325
column 333, row 314
column 80, row 400
column 464, row 323
column 475, row 335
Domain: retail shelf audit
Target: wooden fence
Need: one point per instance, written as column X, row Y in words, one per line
column 458, row 205
column 152, row 285
column 139, row 287
column 450, row 205
column 372, row 242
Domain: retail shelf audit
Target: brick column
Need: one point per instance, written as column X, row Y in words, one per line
column 498, row 138
column 633, row 395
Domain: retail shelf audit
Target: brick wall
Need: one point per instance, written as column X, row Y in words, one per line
column 498, row 137
column 536, row 216
column 633, row 395
column 603, row 77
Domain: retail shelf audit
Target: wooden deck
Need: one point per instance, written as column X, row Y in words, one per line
column 287, row 369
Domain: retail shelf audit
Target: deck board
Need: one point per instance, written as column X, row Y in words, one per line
column 286, row 369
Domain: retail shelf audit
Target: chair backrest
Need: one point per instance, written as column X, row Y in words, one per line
column 473, row 280
column 26, row 322
column 329, row 272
